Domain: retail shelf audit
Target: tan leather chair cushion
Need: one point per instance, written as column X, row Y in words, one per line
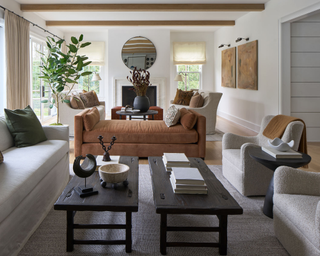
column 91, row 119
column 183, row 97
column 196, row 101
column 187, row 119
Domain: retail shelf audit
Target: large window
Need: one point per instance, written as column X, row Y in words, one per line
column 85, row 82
column 191, row 76
column 40, row 89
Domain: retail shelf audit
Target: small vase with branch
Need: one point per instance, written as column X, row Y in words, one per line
column 140, row 80
column 61, row 71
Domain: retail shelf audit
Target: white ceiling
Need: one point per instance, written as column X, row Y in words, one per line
column 93, row 16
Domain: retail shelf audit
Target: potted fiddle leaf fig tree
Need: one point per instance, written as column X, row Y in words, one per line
column 62, row 70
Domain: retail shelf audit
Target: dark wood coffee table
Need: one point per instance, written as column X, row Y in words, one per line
column 121, row 199
column 218, row 202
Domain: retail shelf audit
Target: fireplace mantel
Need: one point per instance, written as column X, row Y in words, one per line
column 160, row 82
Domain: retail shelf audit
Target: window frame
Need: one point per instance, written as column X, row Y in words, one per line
column 191, row 72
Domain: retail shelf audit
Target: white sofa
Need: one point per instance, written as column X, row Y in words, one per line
column 209, row 109
column 296, row 210
column 31, row 179
column 67, row 114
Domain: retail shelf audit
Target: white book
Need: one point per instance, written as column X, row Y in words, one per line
column 175, row 158
column 187, row 191
column 178, row 187
column 189, row 175
column 281, row 154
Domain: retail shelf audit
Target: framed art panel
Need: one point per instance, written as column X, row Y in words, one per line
column 228, row 68
column 248, row 66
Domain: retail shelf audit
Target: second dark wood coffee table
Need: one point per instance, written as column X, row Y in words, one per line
column 217, row 202
column 108, row 199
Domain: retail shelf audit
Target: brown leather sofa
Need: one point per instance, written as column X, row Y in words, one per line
column 140, row 138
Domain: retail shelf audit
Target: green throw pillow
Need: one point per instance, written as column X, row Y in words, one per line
column 24, row 127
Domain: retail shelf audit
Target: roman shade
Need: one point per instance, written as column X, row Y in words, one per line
column 95, row 53
column 189, row 53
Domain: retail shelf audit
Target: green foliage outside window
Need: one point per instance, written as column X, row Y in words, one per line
column 85, row 82
column 191, row 74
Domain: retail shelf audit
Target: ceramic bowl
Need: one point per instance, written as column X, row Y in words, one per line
column 280, row 145
column 114, row 173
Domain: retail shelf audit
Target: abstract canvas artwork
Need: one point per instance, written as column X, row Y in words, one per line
column 248, row 66
column 228, row 68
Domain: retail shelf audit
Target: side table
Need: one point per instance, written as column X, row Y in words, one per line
column 273, row 163
column 158, row 116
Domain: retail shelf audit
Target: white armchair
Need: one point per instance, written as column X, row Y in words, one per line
column 296, row 210
column 209, row 109
column 249, row 177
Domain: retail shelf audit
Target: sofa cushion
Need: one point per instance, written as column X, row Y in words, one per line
column 172, row 116
column 24, row 127
column 187, row 118
column 5, row 135
column 150, row 132
column 89, row 99
column 301, row 211
column 91, row 118
column 24, row 168
column 182, row 97
column 196, row 101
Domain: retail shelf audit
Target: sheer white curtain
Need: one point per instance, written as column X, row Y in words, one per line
column 17, row 38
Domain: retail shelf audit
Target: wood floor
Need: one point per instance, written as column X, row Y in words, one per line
column 214, row 148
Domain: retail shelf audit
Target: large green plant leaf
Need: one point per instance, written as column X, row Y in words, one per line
column 73, row 48
column 74, row 40
column 85, row 44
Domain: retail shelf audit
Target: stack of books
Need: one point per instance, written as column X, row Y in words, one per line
column 187, row 181
column 175, row 160
column 281, row 154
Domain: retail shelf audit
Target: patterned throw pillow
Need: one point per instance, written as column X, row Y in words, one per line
column 76, row 102
column 182, row 97
column 196, row 101
column 1, row 157
column 172, row 116
column 89, row 99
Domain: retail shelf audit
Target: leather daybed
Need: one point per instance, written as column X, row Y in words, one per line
column 140, row 138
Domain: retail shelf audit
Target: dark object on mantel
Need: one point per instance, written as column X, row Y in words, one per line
column 106, row 155
column 84, row 172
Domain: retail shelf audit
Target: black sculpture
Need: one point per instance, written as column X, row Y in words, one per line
column 81, row 172
column 106, row 155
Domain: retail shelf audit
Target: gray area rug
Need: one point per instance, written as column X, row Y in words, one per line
column 250, row 234
column 215, row 137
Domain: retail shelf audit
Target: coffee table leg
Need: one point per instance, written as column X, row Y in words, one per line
column 70, row 231
column 223, row 224
column 163, row 234
column 128, row 232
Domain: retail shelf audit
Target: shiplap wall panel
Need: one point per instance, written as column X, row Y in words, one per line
column 313, row 134
column 307, row 75
column 305, row 105
column 305, row 44
column 310, row 119
column 305, row 29
column 302, row 59
column 305, row 90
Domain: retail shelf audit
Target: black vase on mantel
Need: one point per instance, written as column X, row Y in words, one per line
column 142, row 103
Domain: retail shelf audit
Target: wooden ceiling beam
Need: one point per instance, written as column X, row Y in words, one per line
column 141, row 7
column 142, row 23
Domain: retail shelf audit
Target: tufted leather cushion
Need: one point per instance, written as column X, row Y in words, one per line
column 91, row 119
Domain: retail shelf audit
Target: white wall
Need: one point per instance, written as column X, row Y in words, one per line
column 248, row 107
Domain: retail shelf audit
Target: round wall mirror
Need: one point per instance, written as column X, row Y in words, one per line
column 139, row 52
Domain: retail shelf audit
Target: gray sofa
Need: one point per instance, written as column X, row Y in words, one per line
column 209, row 109
column 31, row 179
column 296, row 210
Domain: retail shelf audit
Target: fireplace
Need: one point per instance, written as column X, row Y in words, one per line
column 128, row 95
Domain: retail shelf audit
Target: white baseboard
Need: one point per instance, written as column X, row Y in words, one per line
column 239, row 121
